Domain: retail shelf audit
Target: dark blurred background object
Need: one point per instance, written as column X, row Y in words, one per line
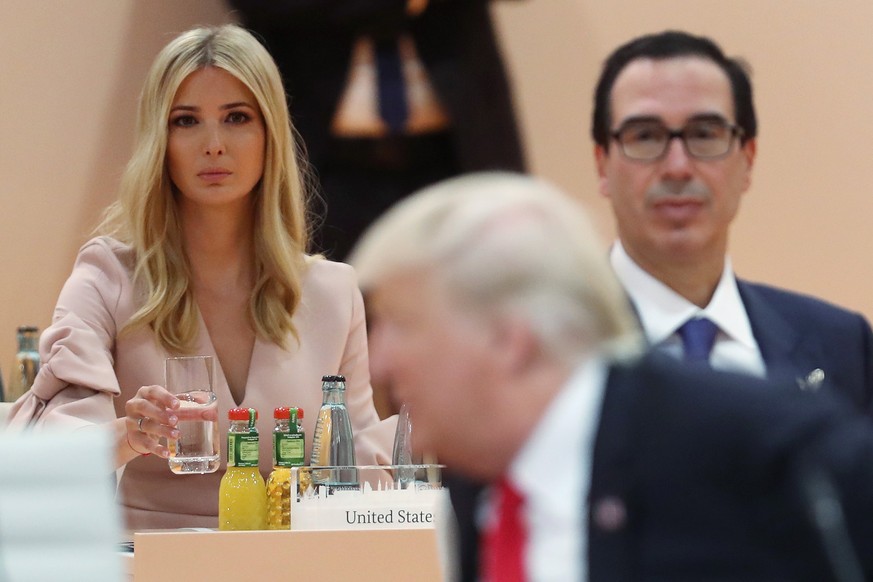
column 370, row 141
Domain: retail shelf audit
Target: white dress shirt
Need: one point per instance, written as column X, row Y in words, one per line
column 662, row 311
column 553, row 474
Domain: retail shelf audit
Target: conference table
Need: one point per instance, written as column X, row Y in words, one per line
column 382, row 555
column 323, row 548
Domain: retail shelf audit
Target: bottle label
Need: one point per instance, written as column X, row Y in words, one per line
column 288, row 450
column 321, row 439
column 242, row 450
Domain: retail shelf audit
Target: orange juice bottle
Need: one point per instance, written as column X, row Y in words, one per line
column 242, row 497
column 288, row 447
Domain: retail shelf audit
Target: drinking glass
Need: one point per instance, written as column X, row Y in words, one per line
column 197, row 450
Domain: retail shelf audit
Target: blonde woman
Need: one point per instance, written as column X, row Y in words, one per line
column 203, row 253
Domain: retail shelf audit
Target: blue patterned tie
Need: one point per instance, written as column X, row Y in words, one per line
column 392, row 93
column 698, row 337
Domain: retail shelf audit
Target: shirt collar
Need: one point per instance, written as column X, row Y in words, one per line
column 557, row 439
column 661, row 310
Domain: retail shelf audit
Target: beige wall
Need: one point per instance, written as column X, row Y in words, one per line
column 70, row 72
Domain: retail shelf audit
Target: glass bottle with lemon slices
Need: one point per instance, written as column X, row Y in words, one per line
column 288, row 451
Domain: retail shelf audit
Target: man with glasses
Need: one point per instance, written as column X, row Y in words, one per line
column 674, row 129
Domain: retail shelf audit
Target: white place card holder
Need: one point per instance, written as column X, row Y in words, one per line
column 381, row 501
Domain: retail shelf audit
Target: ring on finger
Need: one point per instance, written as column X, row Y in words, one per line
column 139, row 423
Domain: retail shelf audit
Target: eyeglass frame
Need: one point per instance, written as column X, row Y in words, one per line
column 736, row 132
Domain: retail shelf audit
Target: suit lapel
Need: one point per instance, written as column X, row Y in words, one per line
column 609, row 538
column 777, row 339
column 782, row 347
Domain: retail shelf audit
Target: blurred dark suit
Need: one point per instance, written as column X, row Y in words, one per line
column 312, row 41
column 702, row 476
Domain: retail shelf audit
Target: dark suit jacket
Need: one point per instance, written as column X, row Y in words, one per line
column 311, row 41
column 702, row 476
column 798, row 334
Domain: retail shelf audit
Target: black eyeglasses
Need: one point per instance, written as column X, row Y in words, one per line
column 704, row 139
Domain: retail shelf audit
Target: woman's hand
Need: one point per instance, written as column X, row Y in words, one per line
column 151, row 414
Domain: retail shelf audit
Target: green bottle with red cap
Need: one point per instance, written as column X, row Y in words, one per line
column 288, row 451
column 242, row 495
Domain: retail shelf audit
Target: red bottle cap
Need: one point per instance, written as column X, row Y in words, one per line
column 240, row 414
column 282, row 412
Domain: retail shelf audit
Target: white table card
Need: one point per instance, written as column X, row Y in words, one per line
column 382, row 500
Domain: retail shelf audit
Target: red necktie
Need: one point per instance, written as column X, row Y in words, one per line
column 503, row 552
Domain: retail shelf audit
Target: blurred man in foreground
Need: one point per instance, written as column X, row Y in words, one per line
column 498, row 319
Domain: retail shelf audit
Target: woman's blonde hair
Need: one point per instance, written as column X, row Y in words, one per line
column 145, row 215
